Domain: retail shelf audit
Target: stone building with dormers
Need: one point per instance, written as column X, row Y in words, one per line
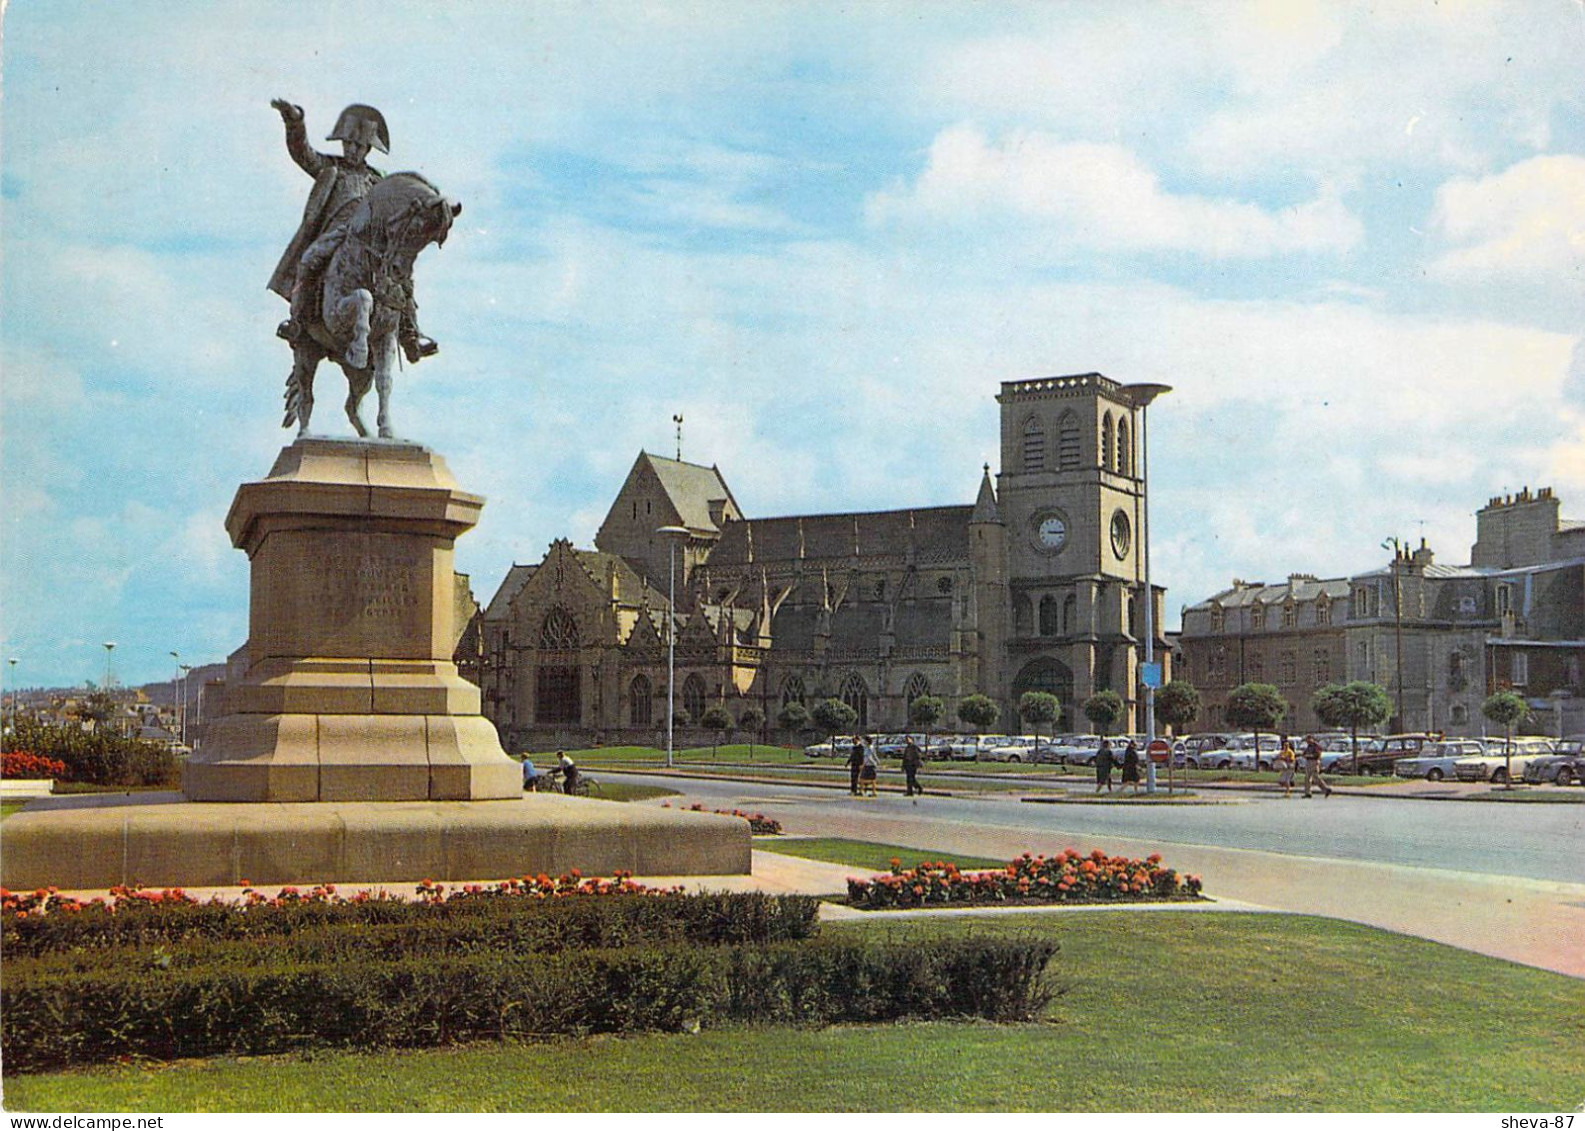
column 1036, row 585
column 1439, row 638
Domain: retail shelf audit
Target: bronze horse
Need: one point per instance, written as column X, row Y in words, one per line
column 363, row 267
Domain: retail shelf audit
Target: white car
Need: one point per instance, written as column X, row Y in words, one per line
column 1078, row 749
column 1438, row 761
column 1017, row 748
column 1219, row 756
column 1494, row 765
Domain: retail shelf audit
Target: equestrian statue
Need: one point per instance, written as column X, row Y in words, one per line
column 348, row 272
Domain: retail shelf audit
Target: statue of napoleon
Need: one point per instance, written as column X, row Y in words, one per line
column 348, row 272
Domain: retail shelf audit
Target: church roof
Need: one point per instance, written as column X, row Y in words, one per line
column 691, row 489
column 630, row 587
column 936, row 534
column 985, row 508
column 510, row 587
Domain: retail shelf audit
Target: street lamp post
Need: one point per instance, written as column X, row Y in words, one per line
column 1142, row 395
column 671, row 534
column 13, row 663
column 176, row 710
column 185, row 669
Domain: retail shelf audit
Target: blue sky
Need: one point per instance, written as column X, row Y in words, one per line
column 1352, row 237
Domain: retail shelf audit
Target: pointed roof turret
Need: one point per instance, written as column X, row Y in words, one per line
column 986, row 508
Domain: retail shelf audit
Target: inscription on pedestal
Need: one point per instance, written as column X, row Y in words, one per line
column 346, row 594
column 374, row 590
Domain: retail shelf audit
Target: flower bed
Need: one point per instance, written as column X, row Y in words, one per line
column 1064, row 878
column 22, row 764
column 758, row 823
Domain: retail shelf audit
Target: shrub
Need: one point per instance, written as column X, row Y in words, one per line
column 60, row 1019
column 102, row 756
column 1064, row 878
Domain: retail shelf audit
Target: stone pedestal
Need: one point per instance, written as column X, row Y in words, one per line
column 350, row 692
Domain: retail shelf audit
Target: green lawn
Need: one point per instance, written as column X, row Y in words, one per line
column 9, row 807
column 1160, row 1011
column 869, row 855
column 612, row 789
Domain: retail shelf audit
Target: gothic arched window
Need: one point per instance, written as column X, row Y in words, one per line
column 1034, row 445
column 1049, row 625
column 918, row 686
column 1068, row 440
column 1107, row 451
column 638, row 700
column 693, row 697
column 1070, row 615
column 792, row 691
column 857, row 696
column 559, row 633
column 1125, row 451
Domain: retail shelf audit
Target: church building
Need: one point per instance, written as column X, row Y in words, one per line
column 1035, row 585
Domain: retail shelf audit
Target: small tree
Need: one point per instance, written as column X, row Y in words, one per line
column 1506, row 708
column 1178, row 705
column 1036, row 707
column 1352, row 705
column 832, row 716
column 979, row 711
column 793, row 717
column 1257, row 707
column 925, row 712
column 752, row 722
column 716, row 719
column 1103, row 709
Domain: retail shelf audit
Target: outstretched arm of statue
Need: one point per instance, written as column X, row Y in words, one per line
column 308, row 159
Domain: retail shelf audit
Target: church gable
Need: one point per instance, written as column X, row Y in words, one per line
column 562, row 585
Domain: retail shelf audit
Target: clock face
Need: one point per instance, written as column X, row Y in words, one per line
column 1122, row 534
column 1053, row 532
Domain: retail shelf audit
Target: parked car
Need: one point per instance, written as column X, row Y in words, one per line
column 1382, row 754
column 1565, row 765
column 1219, row 756
column 1015, row 748
column 1195, row 744
column 1495, row 765
column 969, row 747
column 1436, row 761
column 836, row 747
column 1078, row 749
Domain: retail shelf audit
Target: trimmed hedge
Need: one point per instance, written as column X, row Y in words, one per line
column 55, row 1020
column 388, row 929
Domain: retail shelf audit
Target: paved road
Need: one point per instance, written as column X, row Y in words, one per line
column 1502, row 879
column 1535, row 841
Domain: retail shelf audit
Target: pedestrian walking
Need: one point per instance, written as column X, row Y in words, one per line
column 1285, row 762
column 912, row 760
column 1103, row 767
column 855, row 764
column 869, row 770
column 1312, row 767
column 1131, row 765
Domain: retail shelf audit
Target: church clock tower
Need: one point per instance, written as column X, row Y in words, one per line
column 1071, row 499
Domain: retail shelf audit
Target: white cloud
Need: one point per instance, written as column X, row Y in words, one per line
column 1099, row 197
column 1526, row 223
column 1273, row 88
